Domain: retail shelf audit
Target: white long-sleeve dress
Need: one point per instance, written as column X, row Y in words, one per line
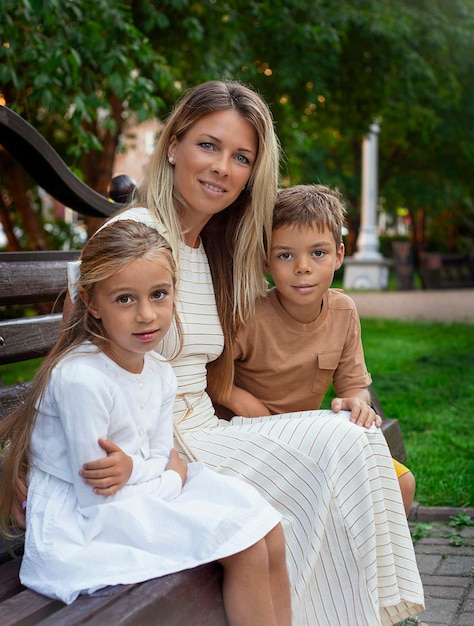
column 350, row 554
column 77, row 541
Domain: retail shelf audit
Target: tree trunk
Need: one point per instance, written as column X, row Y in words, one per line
column 98, row 166
column 13, row 245
column 17, row 186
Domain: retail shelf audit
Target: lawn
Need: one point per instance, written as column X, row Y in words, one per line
column 423, row 375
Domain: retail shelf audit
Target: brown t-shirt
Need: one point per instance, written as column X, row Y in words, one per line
column 288, row 365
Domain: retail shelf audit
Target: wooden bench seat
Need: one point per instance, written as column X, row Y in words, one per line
column 192, row 597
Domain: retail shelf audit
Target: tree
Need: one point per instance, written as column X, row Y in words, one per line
column 78, row 71
column 326, row 69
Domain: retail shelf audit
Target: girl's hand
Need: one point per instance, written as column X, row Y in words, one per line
column 109, row 474
column 178, row 464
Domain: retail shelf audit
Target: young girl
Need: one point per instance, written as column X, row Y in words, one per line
column 101, row 382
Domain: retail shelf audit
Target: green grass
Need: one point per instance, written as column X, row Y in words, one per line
column 19, row 372
column 423, row 374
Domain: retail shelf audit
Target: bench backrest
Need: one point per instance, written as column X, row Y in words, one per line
column 30, row 278
column 38, row 277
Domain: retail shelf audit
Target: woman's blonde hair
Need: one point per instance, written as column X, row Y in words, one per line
column 105, row 254
column 235, row 239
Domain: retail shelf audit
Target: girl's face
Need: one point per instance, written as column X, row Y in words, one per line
column 213, row 162
column 136, row 309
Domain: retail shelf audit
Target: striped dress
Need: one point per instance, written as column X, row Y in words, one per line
column 350, row 555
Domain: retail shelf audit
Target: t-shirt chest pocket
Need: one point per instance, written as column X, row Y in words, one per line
column 325, row 366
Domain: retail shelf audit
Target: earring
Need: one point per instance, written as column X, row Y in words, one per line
column 170, row 160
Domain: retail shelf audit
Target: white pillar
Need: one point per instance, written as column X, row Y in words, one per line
column 368, row 269
column 368, row 241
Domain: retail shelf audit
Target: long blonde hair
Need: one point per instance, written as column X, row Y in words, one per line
column 235, row 239
column 105, row 254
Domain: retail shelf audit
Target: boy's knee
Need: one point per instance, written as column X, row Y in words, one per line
column 407, row 484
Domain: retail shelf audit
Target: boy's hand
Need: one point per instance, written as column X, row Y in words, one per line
column 362, row 413
column 178, row 464
column 109, row 474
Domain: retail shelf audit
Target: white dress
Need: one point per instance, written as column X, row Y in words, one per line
column 350, row 553
column 77, row 541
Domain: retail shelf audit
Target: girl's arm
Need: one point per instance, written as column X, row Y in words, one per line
column 109, row 474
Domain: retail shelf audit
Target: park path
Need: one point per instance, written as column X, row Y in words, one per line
column 444, row 305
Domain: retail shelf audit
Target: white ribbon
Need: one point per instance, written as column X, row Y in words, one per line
column 73, row 275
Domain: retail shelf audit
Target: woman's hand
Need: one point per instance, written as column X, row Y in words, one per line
column 109, row 474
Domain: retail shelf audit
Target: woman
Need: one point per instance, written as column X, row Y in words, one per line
column 210, row 189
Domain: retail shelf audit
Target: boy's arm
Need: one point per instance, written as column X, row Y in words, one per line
column 243, row 403
column 357, row 401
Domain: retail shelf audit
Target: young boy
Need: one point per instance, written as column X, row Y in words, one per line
column 304, row 334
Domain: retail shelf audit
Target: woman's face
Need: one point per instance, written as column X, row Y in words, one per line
column 213, row 162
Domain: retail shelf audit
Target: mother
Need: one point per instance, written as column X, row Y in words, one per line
column 210, row 188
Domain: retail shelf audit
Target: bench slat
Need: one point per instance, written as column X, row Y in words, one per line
column 28, row 337
column 29, row 282
column 192, row 597
column 11, row 397
column 9, row 582
column 27, row 608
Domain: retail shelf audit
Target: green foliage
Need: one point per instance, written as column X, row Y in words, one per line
column 66, row 62
column 420, row 530
column 458, row 522
column 462, row 520
column 19, row 372
column 77, row 70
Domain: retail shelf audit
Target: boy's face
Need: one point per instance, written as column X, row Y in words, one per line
column 302, row 262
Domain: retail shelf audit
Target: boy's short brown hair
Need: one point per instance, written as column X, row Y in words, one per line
column 310, row 206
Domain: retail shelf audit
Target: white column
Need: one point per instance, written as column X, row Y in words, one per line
column 367, row 268
column 368, row 241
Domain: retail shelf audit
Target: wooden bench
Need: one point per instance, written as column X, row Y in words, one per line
column 192, row 597
column 447, row 271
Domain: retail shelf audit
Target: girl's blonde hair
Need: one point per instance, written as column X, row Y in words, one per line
column 237, row 238
column 105, row 254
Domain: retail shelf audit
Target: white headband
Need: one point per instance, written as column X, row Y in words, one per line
column 73, row 275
